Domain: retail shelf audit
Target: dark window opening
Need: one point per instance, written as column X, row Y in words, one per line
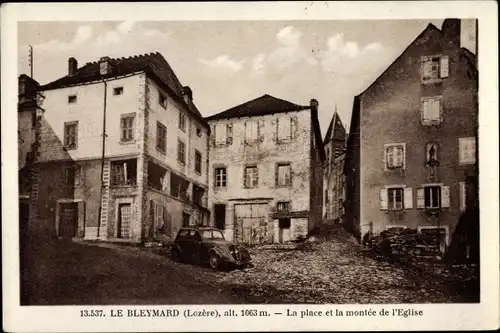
column 432, row 196
column 185, row 219
column 220, row 216
column 198, row 193
column 161, row 137
column 178, row 187
column 69, row 176
column 124, row 172
column 72, row 99
column 71, row 135
column 283, row 206
column 197, row 161
column 198, row 132
column 395, row 196
column 156, row 176
column 162, row 100
column 284, row 223
column 118, row 91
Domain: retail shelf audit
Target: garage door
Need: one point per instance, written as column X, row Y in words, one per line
column 251, row 223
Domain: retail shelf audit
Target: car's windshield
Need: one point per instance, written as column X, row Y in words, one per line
column 212, row 234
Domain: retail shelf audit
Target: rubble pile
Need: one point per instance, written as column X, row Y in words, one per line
column 331, row 271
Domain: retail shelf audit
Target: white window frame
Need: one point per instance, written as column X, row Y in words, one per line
column 442, row 188
column 462, row 142
column 251, row 179
column 290, row 181
column 386, row 156
column 131, row 129
column 442, row 71
column 220, row 180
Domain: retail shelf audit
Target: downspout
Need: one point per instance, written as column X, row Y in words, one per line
column 104, row 135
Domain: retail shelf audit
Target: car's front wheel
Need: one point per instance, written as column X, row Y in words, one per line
column 175, row 255
column 214, row 260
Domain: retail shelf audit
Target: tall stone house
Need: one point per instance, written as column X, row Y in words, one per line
column 123, row 152
column 334, row 180
column 411, row 154
column 29, row 112
column 265, row 170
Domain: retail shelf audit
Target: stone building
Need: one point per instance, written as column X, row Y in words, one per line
column 334, row 180
column 29, row 113
column 265, row 170
column 411, row 155
column 123, row 153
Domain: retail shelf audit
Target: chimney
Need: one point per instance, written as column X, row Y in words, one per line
column 451, row 30
column 104, row 65
column 187, row 93
column 314, row 104
column 72, row 66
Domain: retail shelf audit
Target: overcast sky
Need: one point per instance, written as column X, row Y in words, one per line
column 227, row 63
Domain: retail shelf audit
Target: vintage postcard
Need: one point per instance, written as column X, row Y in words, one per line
column 250, row 166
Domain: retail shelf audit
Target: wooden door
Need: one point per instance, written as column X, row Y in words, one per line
column 68, row 219
column 124, row 220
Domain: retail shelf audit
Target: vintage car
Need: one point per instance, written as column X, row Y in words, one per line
column 208, row 245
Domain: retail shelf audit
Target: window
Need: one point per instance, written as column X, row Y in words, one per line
column 283, row 206
column 431, row 110
column 434, row 68
column 395, row 156
column 198, row 132
column 127, row 127
column 283, row 175
column 182, row 121
column 284, row 129
column 69, row 176
column 72, row 99
column 326, row 196
column 162, row 100
column 124, row 172
column 198, row 193
column 197, row 161
column 284, row 223
column 178, row 187
column 161, row 137
column 251, row 131
column 433, row 197
column 220, row 177
column 251, row 177
column 467, row 150
column 223, row 134
column 431, row 152
column 78, row 175
column 185, row 221
column 181, row 152
column 159, row 216
column 396, row 197
column 118, row 91
column 71, row 135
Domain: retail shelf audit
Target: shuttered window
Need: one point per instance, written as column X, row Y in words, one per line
column 467, row 150
column 283, row 175
column 433, row 197
column 396, row 198
column 434, row 68
column 431, row 110
column 394, row 155
column 127, row 127
column 251, row 177
column 251, row 131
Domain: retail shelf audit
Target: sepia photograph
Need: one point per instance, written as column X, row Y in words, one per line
column 249, row 162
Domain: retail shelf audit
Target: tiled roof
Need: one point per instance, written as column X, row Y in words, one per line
column 154, row 64
column 260, row 106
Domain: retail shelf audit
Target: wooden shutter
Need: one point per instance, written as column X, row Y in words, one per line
column 424, row 109
column 212, row 136
column 445, row 196
column 383, row 199
column 444, row 63
column 260, row 131
column 167, row 225
column 293, row 127
column 151, row 225
column 229, row 134
column 81, row 219
column 462, row 197
column 408, row 198
column 420, row 198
